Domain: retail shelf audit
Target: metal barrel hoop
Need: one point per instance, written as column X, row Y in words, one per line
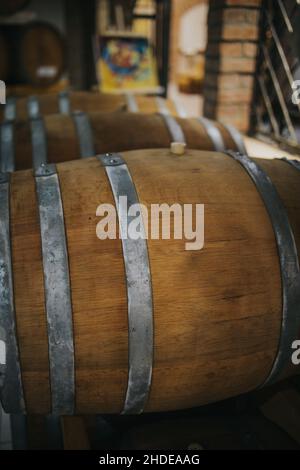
column 33, row 107
column 10, row 109
column 64, row 104
column 139, row 289
column 213, row 133
column 57, row 290
column 84, row 133
column 289, row 263
column 7, row 147
column 38, row 141
column 180, row 110
column 131, row 102
column 174, row 128
column 162, row 106
column 236, row 137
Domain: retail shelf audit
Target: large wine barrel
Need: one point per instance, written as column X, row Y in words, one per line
column 66, row 102
column 57, row 138
column 9, row 7
column 223, row 318
column 36, row 53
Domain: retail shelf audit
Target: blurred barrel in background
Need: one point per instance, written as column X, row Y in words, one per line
column 65, row 102
column 36, row 53
column 57, row 138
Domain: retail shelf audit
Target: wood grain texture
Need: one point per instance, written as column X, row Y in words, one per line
column 100, row 334
column 149, row 105
column 29, row 293
column 217, row 311
column 112, row 132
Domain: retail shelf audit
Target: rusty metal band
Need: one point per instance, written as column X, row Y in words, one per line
column 174, row 128
column 64, row 104
column 33, row 107
column 213, row 133
column 139, row 287
column 11, row 387
column 132, row 105
column 57, row 290
column 289, row 263
column 38, row 141
column 7, row 147
column 84, row 133
column 10, row 109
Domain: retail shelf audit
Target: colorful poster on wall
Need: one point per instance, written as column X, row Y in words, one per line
column 127, row 64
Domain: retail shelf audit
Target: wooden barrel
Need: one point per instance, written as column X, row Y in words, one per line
column 9, row 7
column 66, row 102
column 57, row 138
column 36, row 53
column 216, row 313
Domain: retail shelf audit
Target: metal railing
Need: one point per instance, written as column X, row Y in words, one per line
column 276, row 107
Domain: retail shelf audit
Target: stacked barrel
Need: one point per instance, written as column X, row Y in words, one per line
column 129, row 326
column 33, row 54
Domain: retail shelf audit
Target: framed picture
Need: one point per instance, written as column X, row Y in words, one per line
column 127, row 64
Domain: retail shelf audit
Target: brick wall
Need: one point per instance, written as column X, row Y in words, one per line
column 233, row 29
